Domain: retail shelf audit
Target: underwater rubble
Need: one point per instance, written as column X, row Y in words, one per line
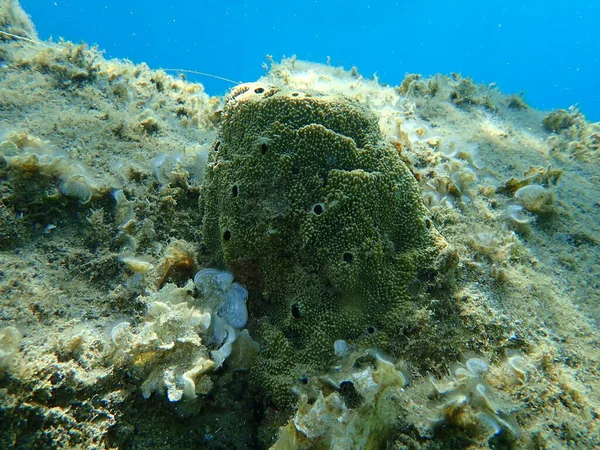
column 316, row 260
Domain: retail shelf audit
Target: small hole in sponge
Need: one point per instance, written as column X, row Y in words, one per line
column 318, row 209
column 234, row 190
column 304, row 380
column 217, row 145
column 227, row 235
column 348, row 257
column 295, row 311
column 263, row 148
column 259, row 90
column 294, row 94
column 370, row 330
column 427, row 223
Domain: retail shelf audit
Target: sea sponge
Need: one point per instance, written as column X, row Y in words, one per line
column 308, row 206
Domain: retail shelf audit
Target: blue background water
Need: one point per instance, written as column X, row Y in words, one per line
column 547, row 48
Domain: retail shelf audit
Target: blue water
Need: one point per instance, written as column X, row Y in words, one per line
column 548, row 49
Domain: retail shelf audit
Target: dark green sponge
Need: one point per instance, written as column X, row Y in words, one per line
column 307, row 205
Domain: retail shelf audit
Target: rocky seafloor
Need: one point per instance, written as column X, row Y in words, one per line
column 405, row 267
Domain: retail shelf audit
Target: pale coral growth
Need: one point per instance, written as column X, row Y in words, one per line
column 468, row 400
column 180, row 256
column 330, row 422
column 463, row 179
column 30, row 154
column 124, row 210
column 485, row 242
column 460, row 150
column 167, row 350
column 535, row 198
column 517, row 215
column 227, row 300
column 121, row 335
column 515, row 370
column 137, row 264
column 489, row 245
column 179, row 386
column 518, row 366
column 10, row 344
column 226, row 297
column 167, row 169
column 174, row 348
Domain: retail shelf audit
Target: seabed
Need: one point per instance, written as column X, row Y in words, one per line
column 107, row 343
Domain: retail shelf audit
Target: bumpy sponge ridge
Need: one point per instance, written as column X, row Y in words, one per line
column 306, row 203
